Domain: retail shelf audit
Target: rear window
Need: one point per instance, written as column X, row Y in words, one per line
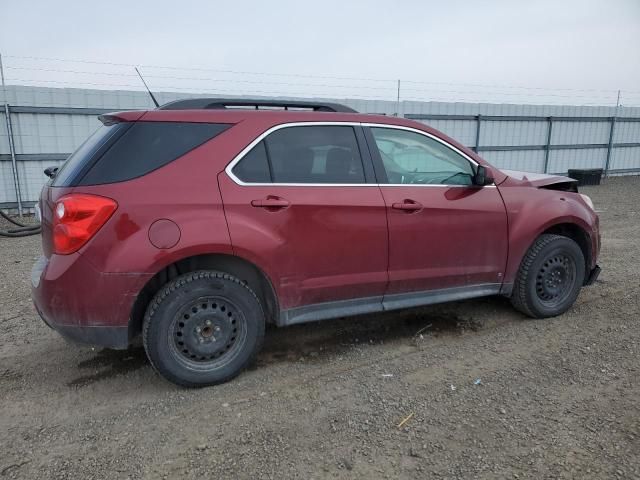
column 147, row 146
column 72, row 168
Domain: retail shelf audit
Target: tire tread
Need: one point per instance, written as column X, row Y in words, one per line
column 519, row 293
column 168, row 290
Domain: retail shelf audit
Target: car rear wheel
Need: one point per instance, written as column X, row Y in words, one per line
column 550, row 277
column 203, row 328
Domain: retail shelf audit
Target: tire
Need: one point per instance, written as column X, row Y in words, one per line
column 550, row 277
column 203, row 328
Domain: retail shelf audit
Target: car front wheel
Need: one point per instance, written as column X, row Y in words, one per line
column 203, row 328
column 550, row 277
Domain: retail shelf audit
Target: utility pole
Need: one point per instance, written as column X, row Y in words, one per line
column 398, row 101
column 12, row 149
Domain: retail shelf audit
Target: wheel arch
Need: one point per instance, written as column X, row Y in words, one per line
column 576, row 233
column 524, row 231
column 239, row 267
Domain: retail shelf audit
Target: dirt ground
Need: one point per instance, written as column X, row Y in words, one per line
column 483, row 392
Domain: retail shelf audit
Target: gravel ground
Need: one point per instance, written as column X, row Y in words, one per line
column 482, row 391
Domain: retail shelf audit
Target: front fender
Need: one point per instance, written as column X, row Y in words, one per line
column 532, row 211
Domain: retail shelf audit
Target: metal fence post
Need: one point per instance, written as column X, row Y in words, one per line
column 547, row 147
column 478, row 122
column 609, row 146
column 611, row 131
column 398, row 101
column 12, row 149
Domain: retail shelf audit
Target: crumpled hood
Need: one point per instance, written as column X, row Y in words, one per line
column 538, row 179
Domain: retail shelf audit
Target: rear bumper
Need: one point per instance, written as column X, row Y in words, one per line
column 116, row 338
column 82, row 304
column 593, row 276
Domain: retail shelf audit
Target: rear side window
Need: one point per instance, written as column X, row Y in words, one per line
column 147, row 146
column 254, row 166
column 314, row 154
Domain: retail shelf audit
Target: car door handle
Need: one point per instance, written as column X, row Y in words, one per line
column 407, row 206
column 275, row 203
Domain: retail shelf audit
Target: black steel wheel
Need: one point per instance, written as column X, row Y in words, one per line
column 550, row 277
column 203, row 328
column 555, row 279
column 206, row 331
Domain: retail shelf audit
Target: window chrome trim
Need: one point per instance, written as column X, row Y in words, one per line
column 275, row 128
column 441, row 185
column 426, row 134
column 263, row 135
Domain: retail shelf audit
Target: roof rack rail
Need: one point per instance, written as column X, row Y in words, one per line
column 223, row 103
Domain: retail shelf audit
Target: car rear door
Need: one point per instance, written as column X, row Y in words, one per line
column 301, row 203
column 445, row 234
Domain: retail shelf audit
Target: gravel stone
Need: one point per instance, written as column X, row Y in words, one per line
column 560, row 398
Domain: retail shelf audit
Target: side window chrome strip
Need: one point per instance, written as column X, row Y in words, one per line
column 420, row 132
column 229, row 168
column 439, row 185
column 247, row 149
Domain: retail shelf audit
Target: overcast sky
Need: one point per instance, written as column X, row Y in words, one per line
column 488, row 48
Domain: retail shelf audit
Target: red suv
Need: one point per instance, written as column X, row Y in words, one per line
column 197, row 223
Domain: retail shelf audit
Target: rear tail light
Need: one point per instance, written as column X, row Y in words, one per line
column 77, row 218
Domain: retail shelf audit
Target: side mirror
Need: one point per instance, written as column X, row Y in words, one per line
column 51, row 171
column 483, row 176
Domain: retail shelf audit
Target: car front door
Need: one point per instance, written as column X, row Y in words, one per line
column 445, row 234
column 301, row 202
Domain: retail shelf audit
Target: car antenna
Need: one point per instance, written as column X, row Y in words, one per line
column 147, row 87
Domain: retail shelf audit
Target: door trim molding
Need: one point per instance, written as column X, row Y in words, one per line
column 326, row 310
column 415, row 299
column 397, row 301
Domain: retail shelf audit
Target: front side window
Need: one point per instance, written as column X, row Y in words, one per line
column 314, row 154
column 412, row 158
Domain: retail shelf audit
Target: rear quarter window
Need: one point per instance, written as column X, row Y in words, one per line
column 147, row 146
column 76, row 164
